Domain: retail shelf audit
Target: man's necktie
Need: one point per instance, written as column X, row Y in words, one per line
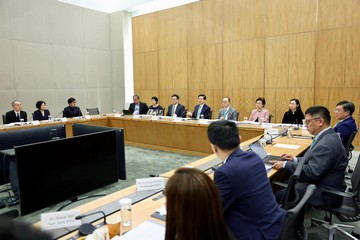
column 18, row 117
column 312, row 143
column 173, row 110
column 199, row 112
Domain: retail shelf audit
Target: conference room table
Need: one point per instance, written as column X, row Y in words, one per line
column 142, row 210
column 179, row 135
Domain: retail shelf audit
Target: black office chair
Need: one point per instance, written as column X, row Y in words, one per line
column 293, row 224
column 93, row 111
column 4, row 119
column 270, row 118
column 163, row 112
column 211, row 114
column 237, row 116
column 347, row 211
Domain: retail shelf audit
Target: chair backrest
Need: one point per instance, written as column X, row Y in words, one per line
column 211, row 114
column 355, row 179
column 4, row 119
column 270, row 118
column 291, row 196
column 348, row 145
column 237, row 116
column 293, row 224
column 163, row 112
column 93, row 111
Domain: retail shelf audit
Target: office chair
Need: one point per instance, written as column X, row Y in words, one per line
column 270, row 118
column 163, row 112
column 293, row 224
column 11, row 214
column 349, row 148
column 347, row 211
column 237, row 116
column 4, row 119
column 211, row 114
column 93, row 111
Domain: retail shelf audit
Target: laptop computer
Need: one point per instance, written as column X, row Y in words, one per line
column 126, row 112
column 259, row 150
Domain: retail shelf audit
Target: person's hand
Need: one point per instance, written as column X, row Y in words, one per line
column 222, row 118
column 287, row 157
column 277, row 164
column 188, row 114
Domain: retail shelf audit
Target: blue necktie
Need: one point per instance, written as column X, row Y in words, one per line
column 18, row 117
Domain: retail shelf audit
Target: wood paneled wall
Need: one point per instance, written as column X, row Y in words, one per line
column 244, row 49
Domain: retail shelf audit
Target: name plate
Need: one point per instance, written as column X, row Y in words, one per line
column 203, row 121
column 64, row 119
column 87, row 117
column 117, row 115
column 143, row 184
column 56, row 220
column 137, row 116
column 271, row 131
column 179, row 119
column 36, row 122
column 155, row 118
column 266, row 125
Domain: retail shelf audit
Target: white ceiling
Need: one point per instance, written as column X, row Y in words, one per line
column 136, row 7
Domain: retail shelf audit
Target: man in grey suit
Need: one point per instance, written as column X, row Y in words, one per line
column 324, row 163
column 227, row 112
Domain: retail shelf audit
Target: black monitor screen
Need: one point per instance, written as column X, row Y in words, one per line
column 55, row 171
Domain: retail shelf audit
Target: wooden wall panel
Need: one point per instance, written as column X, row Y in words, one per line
column 233, row 62
column 243, row 19
column 146, row 71
column 139, row 71
column 173, row 68
column 352, row 74
column 302, row 60
column 253, row 64
column 172, row 28
column 144, row 30
column 277, row 62
column 205, row 22
column 205, row 67
column 330, row 58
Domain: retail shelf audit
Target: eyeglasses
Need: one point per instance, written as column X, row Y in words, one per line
column 307, row 121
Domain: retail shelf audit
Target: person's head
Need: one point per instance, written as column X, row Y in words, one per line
column 224, row 137
column 72, row 102
column 226, row 102
column 193, row 207
column 16, row 104
column 41, row 105
column 201, row 98
column 154, row 100
column 16, row 230
column 294, row 105
column 175, row 99
column 136, row 99
column 260, row 103
column 317, row 118
column 344, row 109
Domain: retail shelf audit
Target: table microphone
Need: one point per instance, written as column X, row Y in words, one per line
column 58, row 115
column 88, row 228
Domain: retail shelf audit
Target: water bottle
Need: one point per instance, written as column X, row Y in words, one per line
column 125, row 207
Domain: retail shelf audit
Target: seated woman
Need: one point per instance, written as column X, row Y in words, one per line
column 295, row 115
column 193, row 207
column 155, row 108
column 42, row 113
column 260, row 114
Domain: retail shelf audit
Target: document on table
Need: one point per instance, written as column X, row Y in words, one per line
column 148, row 230
column 289, row 146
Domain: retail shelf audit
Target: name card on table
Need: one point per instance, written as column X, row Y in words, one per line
column 64, row 119
column 87, row 117
column 203, row 121
column 137, row 116
column 153, row 183
column 177, row 119
column 56, row 220
column 267, row 125
column 36, row 122
column 117, row 115
column 156, row 117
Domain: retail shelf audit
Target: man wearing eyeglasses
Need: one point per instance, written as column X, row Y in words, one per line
column 325, row 161
column 346, row 123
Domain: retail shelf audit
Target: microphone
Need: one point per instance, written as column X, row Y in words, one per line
column 88, row 228
column 58, row 115
column 297, row 123
column 184, row 112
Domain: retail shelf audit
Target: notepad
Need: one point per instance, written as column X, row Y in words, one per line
column 148, row 230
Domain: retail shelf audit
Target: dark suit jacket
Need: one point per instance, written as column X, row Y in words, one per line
column 204, row 111
column 11, row 117
column 143, row 108
column 180, row 110
column 249, row 205
column 38, row 116
column 324, row 166
column 293, row 118
column 345, row 128
column 70, row 112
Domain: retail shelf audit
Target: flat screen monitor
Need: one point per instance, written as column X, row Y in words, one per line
column 81, row 129
column 11, row 138
column 55, row 171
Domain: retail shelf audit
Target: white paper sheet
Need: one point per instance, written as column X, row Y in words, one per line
column 148, row 230
column 289, row 146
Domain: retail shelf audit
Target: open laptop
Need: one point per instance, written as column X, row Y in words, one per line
column 126, row 112
column 259, row 150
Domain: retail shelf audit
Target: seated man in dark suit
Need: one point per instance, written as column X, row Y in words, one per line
column 72, row 110
column 325, row 161
column 176, row 108
column 138, row 107
column 16, row 115
column 346, row 123
column 249, row 205
column 201, row 110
